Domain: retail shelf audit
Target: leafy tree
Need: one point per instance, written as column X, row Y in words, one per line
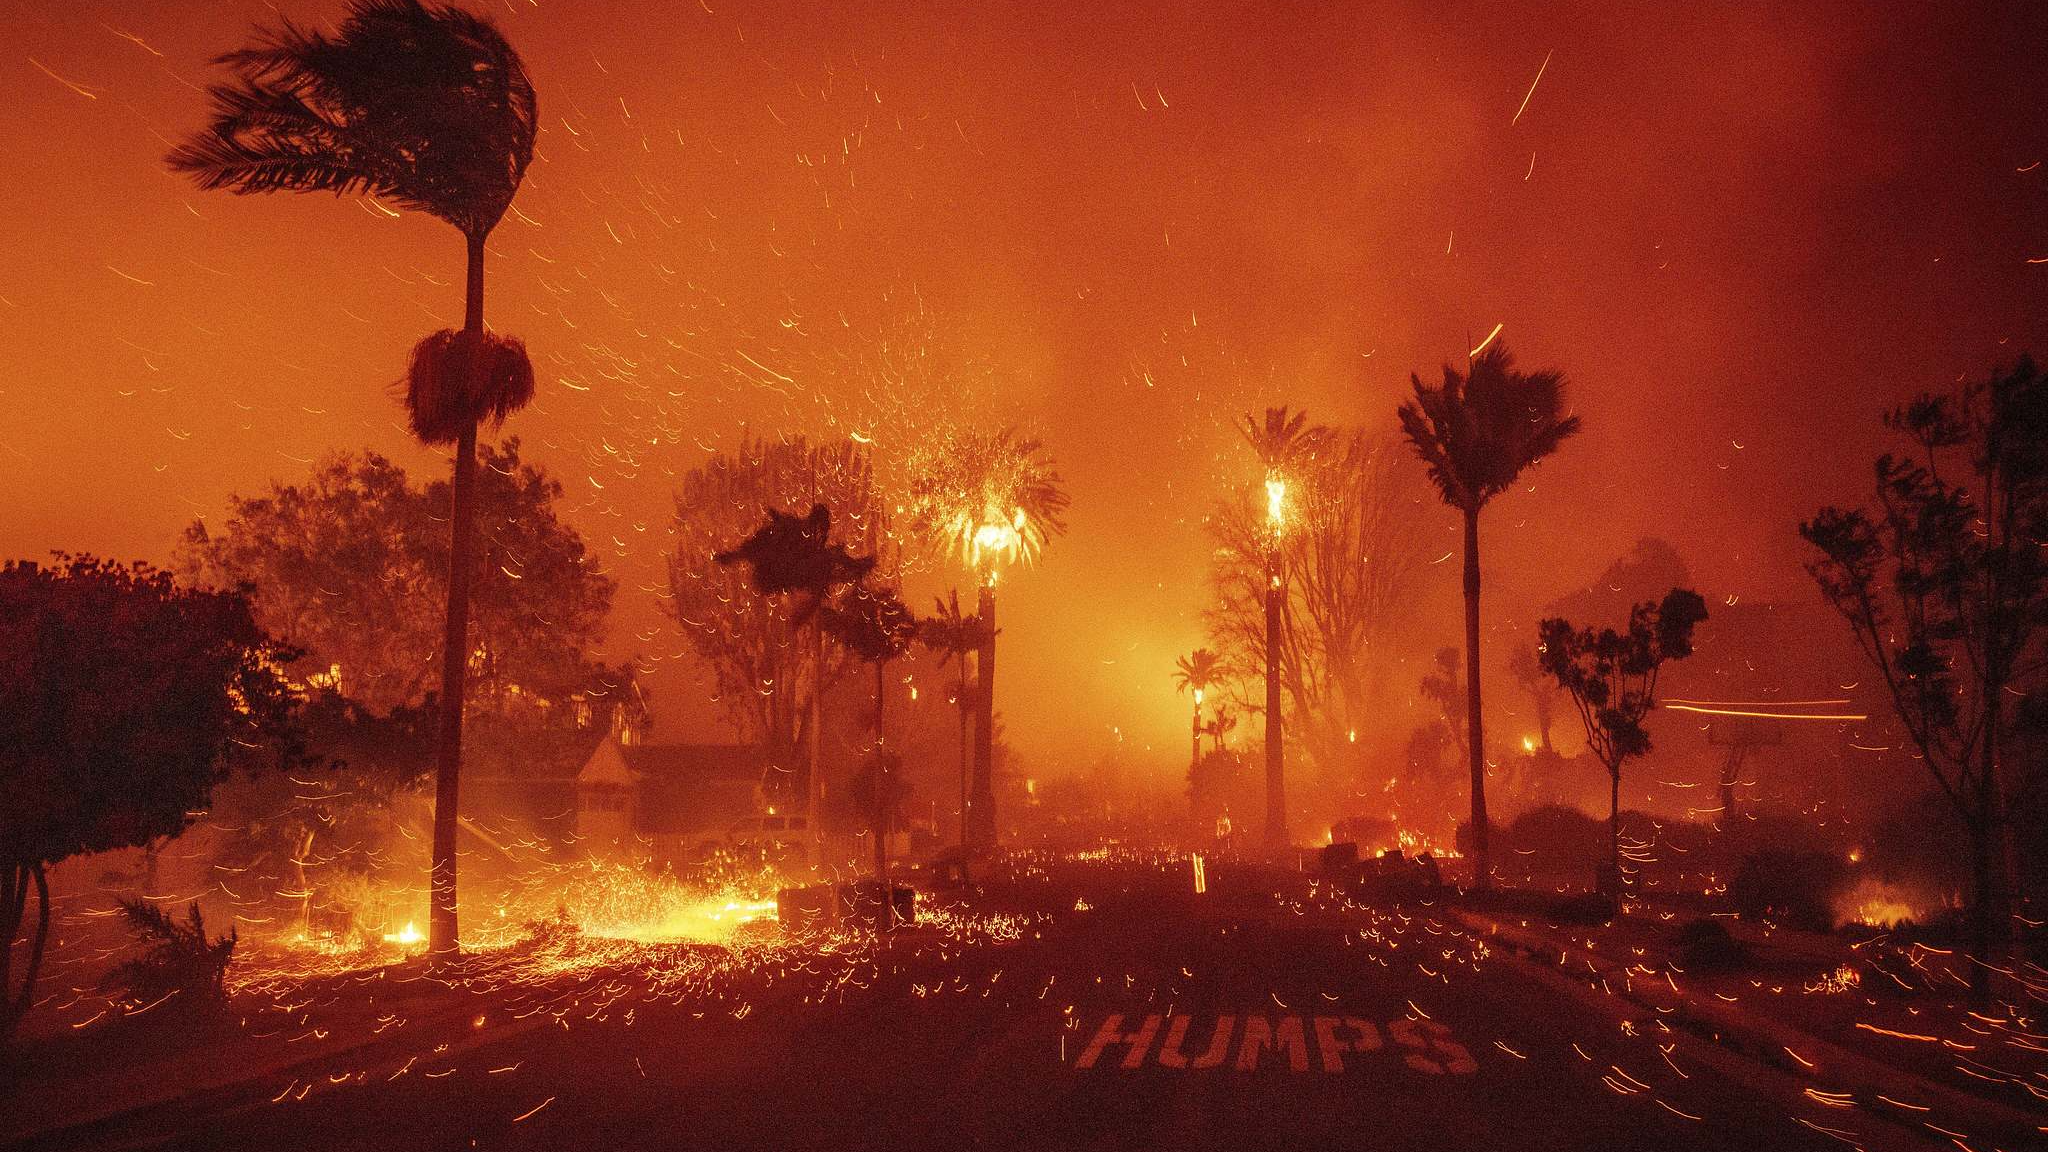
column 1354, row 553
column 1477, row 433
column 1612, row 679
column 128, row 699
column 990, row 499
column 347, row 564
column 1945, row 587
column 432, row 109
column 761, row 672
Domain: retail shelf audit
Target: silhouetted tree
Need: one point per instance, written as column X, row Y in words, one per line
column 127, row 699
column 1441, row 688
column 1945, row 588
column 1476, row 433
column 955, row 636
column 1223, row 725
column 1612, row 679
column 761, row 671
column 432, row 109
column 873, row 623
column 879, row 792
column 990, row 499
column 795, row 557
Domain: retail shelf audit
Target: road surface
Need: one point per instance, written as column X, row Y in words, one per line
column 1110, row 1007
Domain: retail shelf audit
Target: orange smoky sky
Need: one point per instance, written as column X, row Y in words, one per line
column 1742, row 230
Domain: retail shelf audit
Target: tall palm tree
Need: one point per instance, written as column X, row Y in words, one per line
column 430, row 108
column 1476, row 433
column 795, row 556
column 955, row 636
column 1283, row 441
column 1196, row 673
column 993, row 498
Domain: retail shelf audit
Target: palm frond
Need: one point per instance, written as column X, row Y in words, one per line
column 457, row 381
column 1481, row 429
column 428, row 107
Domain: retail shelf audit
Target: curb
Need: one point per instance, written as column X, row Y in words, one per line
column 1777, row 1046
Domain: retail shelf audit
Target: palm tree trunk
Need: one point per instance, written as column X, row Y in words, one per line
column 1276, row 744
column 885, row 784
column 1614, row 826
column 441, row 930
column 1195, row 757
column 1475, row 731
column 961, row 703
column 14, row 1005
column 983, row 809
column 1989, row 917
column 814, row 784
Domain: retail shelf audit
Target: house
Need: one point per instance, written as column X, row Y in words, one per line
column 667, row 799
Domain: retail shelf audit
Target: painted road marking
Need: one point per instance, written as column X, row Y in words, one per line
column 1423, row 1045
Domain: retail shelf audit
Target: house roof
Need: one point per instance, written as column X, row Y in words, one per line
column 682, row 760
column 681, row 787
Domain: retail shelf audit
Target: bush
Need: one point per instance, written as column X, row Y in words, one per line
column 181, row 960
column 1559, row 836
column 1705, row 946
column 1794, row 888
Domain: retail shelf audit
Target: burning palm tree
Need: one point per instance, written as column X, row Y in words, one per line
column 1476, row 433
column 1283, row 441
column 431, row 109
column 993, row 500
column 1196, row 673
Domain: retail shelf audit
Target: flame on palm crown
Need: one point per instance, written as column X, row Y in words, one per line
column 990, row 499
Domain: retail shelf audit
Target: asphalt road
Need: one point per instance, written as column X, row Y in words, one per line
column 1341, row 1027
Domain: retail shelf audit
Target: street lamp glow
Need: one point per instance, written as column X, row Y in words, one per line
column 1276, row 502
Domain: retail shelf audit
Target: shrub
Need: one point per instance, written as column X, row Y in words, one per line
column 1559, row 836
column 1795, row 888
column 1704, row 945
column 181, row 960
